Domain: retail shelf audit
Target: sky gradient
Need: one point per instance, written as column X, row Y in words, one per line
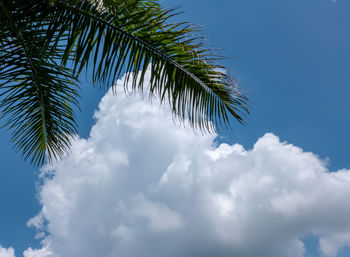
column 291, row 57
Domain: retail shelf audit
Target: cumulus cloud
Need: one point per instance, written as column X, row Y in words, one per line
column 140, row 186
column 43, row 252
column 7, row 252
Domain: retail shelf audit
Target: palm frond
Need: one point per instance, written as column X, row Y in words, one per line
column 45, row 45
column 128, row 36
column 37, row 93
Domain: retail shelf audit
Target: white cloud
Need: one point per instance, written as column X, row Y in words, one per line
column 43, row 252
column 7, row 252
column 140, row 186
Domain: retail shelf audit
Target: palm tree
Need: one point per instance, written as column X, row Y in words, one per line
column 45, row 45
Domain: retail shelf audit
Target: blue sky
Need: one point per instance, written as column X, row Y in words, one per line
column 293, row 59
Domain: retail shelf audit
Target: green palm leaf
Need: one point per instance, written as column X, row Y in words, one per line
column 46, row 44
column 125, row 41
column 36, row 92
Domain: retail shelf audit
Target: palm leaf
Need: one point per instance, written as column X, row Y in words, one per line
column 128, row 36
column 45, row 45
column 37, row 93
